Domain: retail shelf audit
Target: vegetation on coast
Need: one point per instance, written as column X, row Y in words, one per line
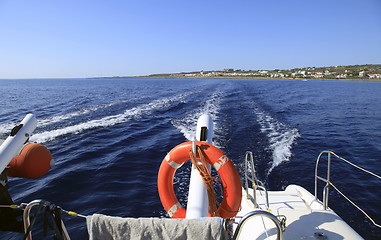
column 351, row 72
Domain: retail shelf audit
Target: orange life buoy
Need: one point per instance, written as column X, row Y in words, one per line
column 228, row 173
column 33, row 161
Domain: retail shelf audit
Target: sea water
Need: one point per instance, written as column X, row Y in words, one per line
column 109, row 136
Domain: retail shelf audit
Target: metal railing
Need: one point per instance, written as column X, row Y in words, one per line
column 28, row 224
column 329, row 183
column 255, row 184
column 257, row 213
column 326, row 180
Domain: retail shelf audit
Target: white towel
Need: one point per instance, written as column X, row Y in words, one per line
column 105, row 227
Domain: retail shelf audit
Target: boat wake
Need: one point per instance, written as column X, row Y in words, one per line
column 81, row 112
column 281, row 137
column 128, row 114
column 187, row 124
column 6, row 128
column 43, row 122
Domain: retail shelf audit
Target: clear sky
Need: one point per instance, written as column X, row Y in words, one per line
column 91, row 38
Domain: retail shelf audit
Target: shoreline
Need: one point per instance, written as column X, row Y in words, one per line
column 253, row 78
column 365, row 72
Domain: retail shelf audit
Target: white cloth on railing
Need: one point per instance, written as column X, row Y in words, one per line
column 106, row 227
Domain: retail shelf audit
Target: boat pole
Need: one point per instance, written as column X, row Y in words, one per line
column 14, row 142
column 198, row 202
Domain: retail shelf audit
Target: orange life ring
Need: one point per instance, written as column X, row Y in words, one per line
column 228, row 173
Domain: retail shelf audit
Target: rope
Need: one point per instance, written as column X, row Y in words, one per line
column 71, row 213
column 29, row 229
column 354, row 165
column 342, row 194
column 74, row 214
column 10, row 206
column 201, row 165
column 55, row 218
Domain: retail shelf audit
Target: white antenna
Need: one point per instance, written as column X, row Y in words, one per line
column 198, row 203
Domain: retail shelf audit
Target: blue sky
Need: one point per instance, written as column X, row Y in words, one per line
column 74, row 38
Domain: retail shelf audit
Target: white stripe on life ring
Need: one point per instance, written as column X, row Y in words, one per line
column 173, row 164
column 220, row 162
column 174, row 208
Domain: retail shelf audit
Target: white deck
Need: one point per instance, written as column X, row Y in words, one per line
column 306, row 218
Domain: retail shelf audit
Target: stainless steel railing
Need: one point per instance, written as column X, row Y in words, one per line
column 27, row 223
column 257, row 213
column 255, row 184
column 329, row 183
column 326, row 180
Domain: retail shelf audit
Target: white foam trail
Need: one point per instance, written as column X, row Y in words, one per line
column 7, row 127
column 83, row 111
column 281, row 137
column 59, row 118
column 135, row 112
column 187, row 125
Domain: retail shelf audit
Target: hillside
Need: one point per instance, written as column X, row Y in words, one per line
column 366, row 72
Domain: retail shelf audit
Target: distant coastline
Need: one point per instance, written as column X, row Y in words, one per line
column 230, row 77
column 367, row 72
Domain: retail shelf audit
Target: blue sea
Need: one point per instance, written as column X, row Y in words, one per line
column 109, row 136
